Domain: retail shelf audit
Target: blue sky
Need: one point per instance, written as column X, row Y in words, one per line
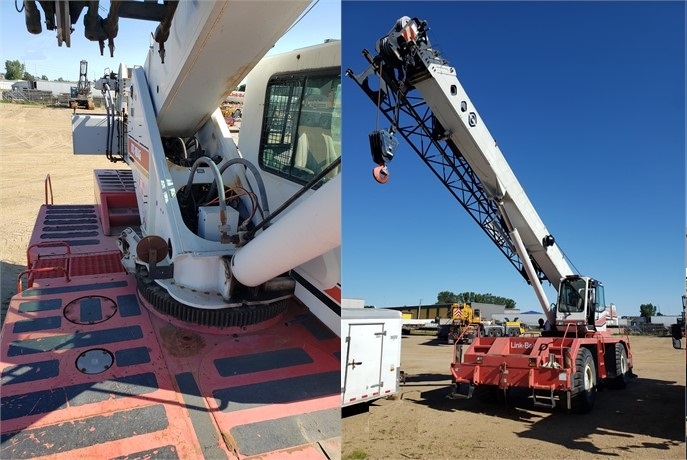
column 42, row 56
column 587, row 103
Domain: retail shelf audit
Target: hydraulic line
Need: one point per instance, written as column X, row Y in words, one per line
column 192, row 140
column 108, row 144
column 287, row 203
column 183, row 146
column 220, row 188
column 111, row 121
column 264, row 210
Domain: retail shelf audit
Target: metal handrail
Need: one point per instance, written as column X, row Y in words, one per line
column 32, row 271
column 47, row 244
column 48, row 186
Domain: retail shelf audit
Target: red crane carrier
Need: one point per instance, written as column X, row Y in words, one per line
column 420, row 95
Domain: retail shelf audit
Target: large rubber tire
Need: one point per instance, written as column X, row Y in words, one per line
column 617, row 366
column 499, row 332
column 513, row 332
column 487, row 394
column 491, row 332
column 583, row 391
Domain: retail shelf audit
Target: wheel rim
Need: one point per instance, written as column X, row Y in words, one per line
column 623, row 362
column 588, row 377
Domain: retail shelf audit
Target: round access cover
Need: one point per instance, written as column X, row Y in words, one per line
column 94, row 361
column 92, row 309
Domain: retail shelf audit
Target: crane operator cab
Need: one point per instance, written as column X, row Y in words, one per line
column 581, row 304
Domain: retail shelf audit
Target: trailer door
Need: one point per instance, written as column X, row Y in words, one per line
column 363, row 367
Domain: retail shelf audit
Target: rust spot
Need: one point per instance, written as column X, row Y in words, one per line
column 230, row 443
column 179, row 342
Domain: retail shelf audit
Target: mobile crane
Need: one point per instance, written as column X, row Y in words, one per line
column 464, row 318
column 81, row 95
column 193, row 311
column 422, row 98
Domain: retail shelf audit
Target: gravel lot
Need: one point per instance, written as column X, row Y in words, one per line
column 645, row 420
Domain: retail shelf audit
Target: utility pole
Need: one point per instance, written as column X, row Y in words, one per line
column 419, row 307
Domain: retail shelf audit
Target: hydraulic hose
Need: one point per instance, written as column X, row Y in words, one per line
column 220, row 187
column 183, row 146
column 108, row 144
column 265, row 223
column 264, row 210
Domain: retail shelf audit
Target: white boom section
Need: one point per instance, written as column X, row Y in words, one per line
column 444, row 95
column 212, row 46
column 313, row 228
column 527, row 264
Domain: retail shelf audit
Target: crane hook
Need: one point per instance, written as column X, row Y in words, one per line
column 381, row 174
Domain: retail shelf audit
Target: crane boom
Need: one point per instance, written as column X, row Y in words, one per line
column 193, row 76
column 443, row 126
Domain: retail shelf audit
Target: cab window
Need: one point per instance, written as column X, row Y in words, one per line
column 301, row 131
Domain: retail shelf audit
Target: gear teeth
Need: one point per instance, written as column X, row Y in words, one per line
column 221, row 318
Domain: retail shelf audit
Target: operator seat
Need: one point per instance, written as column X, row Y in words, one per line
column 331, row 153
column 301, row 155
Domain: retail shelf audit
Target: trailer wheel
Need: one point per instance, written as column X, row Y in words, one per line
column 583, row 391
column 499, row 332
column 491, row 332
column 620, row 368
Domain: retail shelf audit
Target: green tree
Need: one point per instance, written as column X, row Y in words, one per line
column 241, row 87
column 447, row 297
column 27, row 76
column 486, row 298
column 14, row 70
column 451, row 297
column 60, row 79
column 647, row 310
column 44, row 77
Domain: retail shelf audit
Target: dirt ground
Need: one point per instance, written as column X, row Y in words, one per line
column 644, row 420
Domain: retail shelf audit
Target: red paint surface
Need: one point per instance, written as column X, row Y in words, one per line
column 95, row 265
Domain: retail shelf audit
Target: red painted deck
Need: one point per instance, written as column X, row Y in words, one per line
column 152, row 389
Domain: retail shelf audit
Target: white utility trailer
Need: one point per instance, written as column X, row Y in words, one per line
column 371, row 354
